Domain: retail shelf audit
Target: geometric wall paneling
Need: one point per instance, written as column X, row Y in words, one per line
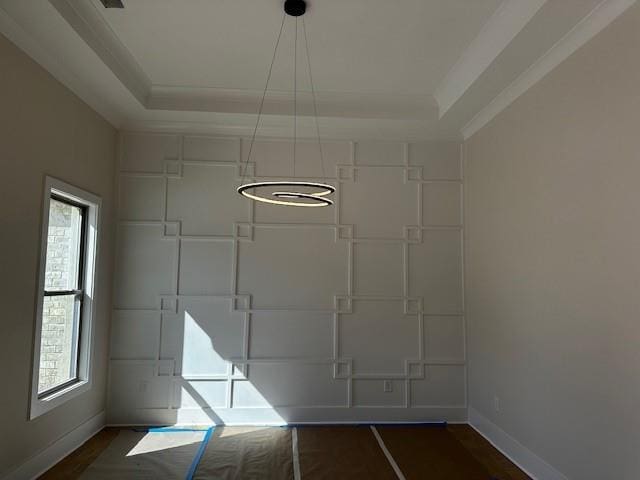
column 379, row 202
column 379, row 337
column 199, row 394
column 246, row 395
column 204, row 199
column 379, row 153
column 342, row 367
column 145, row 265
column 444, row 385
column 293, row 267
column 378, row 268
column 135, row 334
column 281, row 384
column 269, row 213
column 442, row 203
column 439, row 160
column 203, row 337
column 370, row 393
column 172, row 229
column 224, row 305
column 300, row 335
column 206, row 267
column 142, row 197
column 274, row 158
column 146, row 153
column 444, row 337
column 243, row 231
column 435, row 271
column 213, row 149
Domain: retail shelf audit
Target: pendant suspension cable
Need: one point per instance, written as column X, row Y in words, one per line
column 295, row 92
column 264, row 94
column 290, row 192
column 313, row 94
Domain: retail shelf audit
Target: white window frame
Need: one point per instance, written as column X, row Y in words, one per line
column 40, row 405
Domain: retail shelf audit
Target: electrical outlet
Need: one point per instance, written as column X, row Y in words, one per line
column 144, row 384
column 496, row 403
column 388, row 386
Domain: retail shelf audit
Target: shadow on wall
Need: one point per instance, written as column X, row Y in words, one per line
column 202, row 375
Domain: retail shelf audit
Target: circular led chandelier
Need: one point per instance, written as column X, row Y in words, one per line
column 290, row 192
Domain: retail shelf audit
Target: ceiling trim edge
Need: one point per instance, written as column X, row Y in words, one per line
column 91, row 27
column 496, row 34
column 587, row 28
column 23, row 40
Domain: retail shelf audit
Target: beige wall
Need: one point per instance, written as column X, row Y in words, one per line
column 44, row 130
column 553, row 261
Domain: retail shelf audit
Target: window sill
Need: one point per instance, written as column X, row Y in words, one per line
column 40, row 406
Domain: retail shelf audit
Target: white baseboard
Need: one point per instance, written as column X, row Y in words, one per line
column 286, row 415
column 529, row 462
column 49, row 456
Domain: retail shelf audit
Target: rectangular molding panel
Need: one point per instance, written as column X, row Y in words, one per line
column 229, row 311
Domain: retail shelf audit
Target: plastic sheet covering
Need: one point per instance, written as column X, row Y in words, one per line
column 334, row 453
column 142, row 455
column 430, row 452
column 234, row 453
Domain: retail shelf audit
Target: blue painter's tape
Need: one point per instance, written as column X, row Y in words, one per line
column 174, row 429
column 364, row 424
column 199, row 453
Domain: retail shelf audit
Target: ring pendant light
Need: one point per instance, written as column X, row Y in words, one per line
column 290, row 192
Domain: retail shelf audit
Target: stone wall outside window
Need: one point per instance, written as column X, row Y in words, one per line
column 57, row 314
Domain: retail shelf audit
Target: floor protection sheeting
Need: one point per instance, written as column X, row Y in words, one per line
column 329, row 453
column 146, row 455
column 247, row 453
column 424, row 452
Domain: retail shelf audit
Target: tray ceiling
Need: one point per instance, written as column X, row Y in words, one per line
column 406, row 69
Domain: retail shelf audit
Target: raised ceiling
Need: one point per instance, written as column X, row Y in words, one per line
column 401, row 69
column 363, row 46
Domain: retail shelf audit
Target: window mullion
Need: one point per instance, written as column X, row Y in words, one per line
column 57, row 293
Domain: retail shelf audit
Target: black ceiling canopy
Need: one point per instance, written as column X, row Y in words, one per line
column 112, row 3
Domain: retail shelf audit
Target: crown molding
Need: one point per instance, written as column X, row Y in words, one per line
column 281, row 127
column 501, row 28
column 587, row 28
column 87, row 22
column 329, row 104
column 41, row 55
column 91, row 27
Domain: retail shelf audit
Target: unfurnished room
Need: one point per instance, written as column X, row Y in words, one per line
column 320, row 239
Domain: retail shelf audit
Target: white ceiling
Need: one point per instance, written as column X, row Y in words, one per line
column 364, row 46
column 401, row 69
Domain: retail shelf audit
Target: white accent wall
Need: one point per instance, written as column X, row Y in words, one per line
column 226, row 310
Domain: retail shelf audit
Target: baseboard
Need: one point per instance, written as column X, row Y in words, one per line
column 286, row 415
column 49, row 456
column 529, row 462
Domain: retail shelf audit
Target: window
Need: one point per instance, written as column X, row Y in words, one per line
column 62, row 343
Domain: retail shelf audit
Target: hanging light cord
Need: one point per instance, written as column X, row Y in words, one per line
column 295, row 110
column 295, row 93
column 264, row 94
column 313, row 94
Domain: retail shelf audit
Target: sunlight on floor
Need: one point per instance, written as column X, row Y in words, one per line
column 157, row 441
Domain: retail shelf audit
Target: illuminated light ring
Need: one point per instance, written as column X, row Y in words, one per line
column 322, row 202
column 317, row 197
